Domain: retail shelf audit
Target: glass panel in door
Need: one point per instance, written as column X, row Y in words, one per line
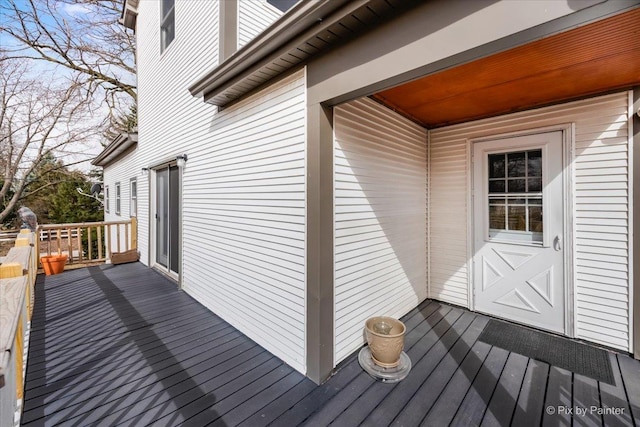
column 162, row 217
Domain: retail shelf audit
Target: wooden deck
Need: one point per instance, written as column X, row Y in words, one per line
column 122, row 346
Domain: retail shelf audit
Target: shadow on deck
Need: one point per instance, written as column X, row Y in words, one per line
column 122, row 346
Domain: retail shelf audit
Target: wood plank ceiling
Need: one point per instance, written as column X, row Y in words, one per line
column 595, row 58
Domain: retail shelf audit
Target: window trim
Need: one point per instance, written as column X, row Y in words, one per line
column 133, row 197
column 118, row 198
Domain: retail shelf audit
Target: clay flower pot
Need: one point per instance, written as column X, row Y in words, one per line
column 385, row 336
column 53, row 264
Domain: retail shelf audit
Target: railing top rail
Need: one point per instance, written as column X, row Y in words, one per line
column 81, row 224
column 11, row 303
column 20, row 255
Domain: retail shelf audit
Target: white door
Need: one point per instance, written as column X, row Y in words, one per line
column 518, row 229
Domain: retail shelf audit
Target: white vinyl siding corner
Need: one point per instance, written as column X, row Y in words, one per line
column 253, row 17
column 601, row 210
column 244, row 218
column 380, row 218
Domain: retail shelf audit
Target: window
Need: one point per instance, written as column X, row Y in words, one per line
column 515, row 196
column 133, row 195
column 106, row 198
column 168, row 24
column 283, row 5
column 117, row 198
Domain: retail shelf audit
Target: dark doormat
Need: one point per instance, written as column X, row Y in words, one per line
column 557, row 351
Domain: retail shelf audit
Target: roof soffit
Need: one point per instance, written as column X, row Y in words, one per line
column 308, row 29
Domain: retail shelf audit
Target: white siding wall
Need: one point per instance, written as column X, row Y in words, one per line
column 380, row 212
column 244, row 218
column 170, row 120
column 601, row 217
column 253, row 17
column 244, row 182
column 121, row 171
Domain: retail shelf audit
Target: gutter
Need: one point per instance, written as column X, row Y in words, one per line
column 304, row 22
column 119, row 145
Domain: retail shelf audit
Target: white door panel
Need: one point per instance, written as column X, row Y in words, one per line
column 518, row 229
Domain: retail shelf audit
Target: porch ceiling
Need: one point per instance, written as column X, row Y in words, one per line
column 594, row 58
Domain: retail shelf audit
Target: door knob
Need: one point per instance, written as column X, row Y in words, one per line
column 557, row 243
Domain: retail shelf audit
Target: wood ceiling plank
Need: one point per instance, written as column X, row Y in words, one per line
column 598, row 57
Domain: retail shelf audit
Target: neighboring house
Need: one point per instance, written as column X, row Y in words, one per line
column 120, row 185
column 352, row 158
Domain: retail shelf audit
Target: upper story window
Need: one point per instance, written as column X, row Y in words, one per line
column 167, row 24
column 118, row 198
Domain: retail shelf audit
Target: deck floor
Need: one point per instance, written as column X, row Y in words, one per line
column 122, row 346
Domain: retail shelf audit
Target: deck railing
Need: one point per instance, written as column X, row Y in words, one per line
column 83, row 243
column 17, row 279
column 88, row 242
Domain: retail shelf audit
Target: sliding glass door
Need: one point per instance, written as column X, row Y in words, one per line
column 167, row 218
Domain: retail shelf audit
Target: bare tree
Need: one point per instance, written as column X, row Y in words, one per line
column 40, row 119
column 83, row 36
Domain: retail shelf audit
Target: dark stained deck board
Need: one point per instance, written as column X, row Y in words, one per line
column 530, row 404
column 185, row 401
column 438, row 341
column 419, row 325
column 630, row 371
column 282, row 403
column 424, row 353
column 123, row 346
column 317, row 399
column 77, row 341
column 115, row 360
column 559, row 396
column 349, row 397
column 503, row 401
column 107, row 391
column 615, row 396
column 471, row 410
column 585, row 395
column 437, row 400
column 115, row 353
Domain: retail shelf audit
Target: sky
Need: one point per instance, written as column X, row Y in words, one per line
column 45, row 71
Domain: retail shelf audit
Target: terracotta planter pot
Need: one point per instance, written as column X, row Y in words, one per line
column 53, row 264
column 385, row 336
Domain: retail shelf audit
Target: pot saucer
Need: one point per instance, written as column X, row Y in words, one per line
column 385, row 375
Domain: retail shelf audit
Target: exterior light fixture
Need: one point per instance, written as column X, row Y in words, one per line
column 145, row 171
column 181, row 160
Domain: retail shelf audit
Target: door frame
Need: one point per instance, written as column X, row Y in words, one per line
column 568, row 196
column 152, row 221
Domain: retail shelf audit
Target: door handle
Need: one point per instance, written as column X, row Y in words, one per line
column 557, row 243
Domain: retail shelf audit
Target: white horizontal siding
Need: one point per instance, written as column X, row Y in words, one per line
column 170, row 120
column 601, row 214
column 448, row 177
column 380, row 218
column 243, row 184
column 253, row 17
column 244, row 218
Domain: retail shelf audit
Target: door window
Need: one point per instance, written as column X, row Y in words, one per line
column 515, row 196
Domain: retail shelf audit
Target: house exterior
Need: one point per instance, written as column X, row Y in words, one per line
column 298, row 172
